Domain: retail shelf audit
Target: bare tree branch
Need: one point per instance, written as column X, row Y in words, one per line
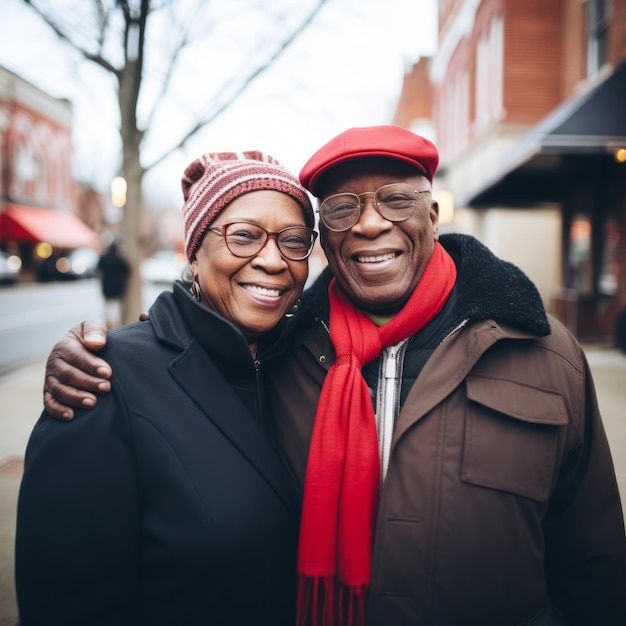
column 140, row 22
column 244, row 85
column 103, row 21
column 166, row 80
column 95, row 58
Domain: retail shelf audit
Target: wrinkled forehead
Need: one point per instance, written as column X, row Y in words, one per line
column 340, row 176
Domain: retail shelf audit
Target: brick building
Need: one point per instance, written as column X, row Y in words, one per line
column 39, row 199
column 528, row 114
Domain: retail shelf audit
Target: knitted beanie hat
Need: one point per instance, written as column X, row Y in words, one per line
column 214, row 180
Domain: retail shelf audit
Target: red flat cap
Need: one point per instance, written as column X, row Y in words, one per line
column 394, row 142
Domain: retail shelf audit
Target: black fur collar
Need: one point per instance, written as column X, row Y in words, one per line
column 490, row 288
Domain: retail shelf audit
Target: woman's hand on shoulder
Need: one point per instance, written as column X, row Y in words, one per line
column 73, row 373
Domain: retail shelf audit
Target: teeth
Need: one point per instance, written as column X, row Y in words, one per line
column 263, row 291
column 375, row 259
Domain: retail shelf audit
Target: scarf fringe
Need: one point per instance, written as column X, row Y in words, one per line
column 324, row 601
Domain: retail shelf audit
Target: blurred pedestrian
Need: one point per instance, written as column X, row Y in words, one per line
column 114, row 271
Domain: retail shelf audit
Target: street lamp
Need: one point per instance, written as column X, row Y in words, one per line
column 118, row 192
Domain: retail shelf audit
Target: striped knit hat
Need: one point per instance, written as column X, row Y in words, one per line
column 214, row 180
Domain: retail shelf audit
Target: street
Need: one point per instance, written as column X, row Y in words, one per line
column 33, row 316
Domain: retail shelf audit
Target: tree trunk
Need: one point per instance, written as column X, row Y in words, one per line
column 133, row 172
column 132, row 244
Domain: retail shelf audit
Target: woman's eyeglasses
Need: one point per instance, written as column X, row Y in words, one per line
column 244, row 240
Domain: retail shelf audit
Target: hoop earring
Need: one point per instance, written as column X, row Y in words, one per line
column 194, row 290
column 294, row 309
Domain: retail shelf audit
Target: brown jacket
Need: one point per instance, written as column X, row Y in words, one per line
column 500, row 505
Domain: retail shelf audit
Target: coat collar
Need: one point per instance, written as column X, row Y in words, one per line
column 490, row 288
column 211, row 349
column 178, row 319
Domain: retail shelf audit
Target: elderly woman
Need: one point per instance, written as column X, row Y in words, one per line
column 172, row 505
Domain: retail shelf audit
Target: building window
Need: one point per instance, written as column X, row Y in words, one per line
column 461, row 112
column 607, row 284
column 580, row 275
column 453, row 115
column 489, row 70
column 26, row 171
column 598, row 21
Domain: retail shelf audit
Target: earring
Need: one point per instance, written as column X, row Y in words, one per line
column 294, row 309
column 194, row 290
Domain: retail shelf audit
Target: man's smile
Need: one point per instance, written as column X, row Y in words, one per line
column 377, row 258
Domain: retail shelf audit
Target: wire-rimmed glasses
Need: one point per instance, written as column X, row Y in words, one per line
column 244, row 239
column 395, row 202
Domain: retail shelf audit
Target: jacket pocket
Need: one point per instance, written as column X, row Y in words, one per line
column 511, row 436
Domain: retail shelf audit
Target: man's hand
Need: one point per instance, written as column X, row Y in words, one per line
column 73, row 373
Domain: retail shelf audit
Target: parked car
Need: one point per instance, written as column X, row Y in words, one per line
column 71, row 265
column 10, row 268
column 164, row 267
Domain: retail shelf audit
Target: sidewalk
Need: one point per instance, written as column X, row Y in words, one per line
column 21, row 404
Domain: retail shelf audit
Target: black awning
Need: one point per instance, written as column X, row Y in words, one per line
column 597, row 118
column 590, row 124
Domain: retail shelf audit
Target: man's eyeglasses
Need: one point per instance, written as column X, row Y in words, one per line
column 244, row 240
column 395, row 202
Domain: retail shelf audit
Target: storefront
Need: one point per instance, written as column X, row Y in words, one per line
column 576, row 158
column 39, row 236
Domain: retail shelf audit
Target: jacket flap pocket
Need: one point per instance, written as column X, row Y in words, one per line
column 511, row 437
column 528, row 404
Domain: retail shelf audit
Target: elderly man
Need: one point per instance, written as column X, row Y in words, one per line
column 445, row 429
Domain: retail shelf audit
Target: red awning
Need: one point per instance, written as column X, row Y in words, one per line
column 58, row 228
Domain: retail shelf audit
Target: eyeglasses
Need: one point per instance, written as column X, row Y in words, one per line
column 244, row 240
column 395, row 202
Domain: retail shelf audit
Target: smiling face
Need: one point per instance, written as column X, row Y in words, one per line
column 255, row 292
column 377, row 262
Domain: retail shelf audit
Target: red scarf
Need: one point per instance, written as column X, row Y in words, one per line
column 343, row 472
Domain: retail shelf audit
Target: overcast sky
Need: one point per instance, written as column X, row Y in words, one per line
column 345, row 70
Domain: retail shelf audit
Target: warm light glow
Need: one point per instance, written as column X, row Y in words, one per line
column 63, row 265
column 43, row 250
column 118, row 192
column 14, row 262
column 580, row 230
column 620, row 155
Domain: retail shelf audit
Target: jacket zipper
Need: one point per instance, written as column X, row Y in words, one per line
column 388, row 396
column 456, row 329
column 388, row 401
column 259, row 399
column 325, row 325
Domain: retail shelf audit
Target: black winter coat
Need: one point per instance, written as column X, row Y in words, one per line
column 167, row 503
